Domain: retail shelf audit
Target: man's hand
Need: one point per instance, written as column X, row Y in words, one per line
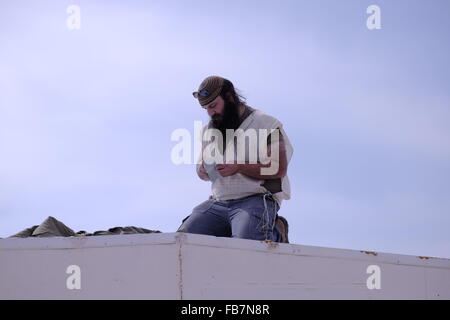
column 226, row 170
column 202, row 172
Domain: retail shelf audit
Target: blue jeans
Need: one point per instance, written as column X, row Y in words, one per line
column 251, row 217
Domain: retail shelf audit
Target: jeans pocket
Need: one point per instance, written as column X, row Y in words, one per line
column 185, row 219
column 204, row 206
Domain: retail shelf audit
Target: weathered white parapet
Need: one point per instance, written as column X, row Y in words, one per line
column 188, row 266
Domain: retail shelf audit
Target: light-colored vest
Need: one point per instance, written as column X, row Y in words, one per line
column 239, row 185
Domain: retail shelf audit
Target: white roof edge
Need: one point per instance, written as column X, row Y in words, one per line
column 55, row 243
column 87, row 242
column 315, row 251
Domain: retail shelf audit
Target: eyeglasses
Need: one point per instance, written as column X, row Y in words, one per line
column 201, row 93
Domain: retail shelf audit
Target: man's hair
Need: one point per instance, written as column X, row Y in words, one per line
column 231, row 118
column 228, row 87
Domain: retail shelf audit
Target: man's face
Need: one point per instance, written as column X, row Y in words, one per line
column 224, row 114
column 215, row 109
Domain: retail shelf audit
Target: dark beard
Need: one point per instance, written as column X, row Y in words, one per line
column 229, row 120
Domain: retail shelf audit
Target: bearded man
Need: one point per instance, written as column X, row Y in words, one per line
column 246, row 195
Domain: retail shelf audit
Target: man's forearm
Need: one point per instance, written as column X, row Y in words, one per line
column 254, row 171
column 275, row 169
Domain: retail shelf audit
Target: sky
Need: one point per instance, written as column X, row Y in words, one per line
column 86, row 115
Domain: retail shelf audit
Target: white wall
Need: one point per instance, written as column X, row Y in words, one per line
column 187, row 266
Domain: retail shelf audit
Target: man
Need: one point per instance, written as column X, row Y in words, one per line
column 246, row 194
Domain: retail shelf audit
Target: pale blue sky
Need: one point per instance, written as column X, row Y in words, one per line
column 86, row 115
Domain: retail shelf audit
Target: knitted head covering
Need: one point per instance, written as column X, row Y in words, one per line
column 209, row 89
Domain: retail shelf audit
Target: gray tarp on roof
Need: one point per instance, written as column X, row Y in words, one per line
column 54, row 228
